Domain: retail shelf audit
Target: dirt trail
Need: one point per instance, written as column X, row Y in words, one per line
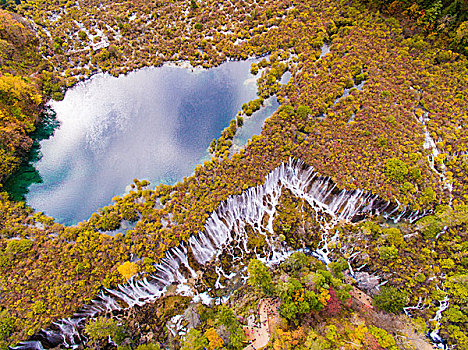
column 258, row 337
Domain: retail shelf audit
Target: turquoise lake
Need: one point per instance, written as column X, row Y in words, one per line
column 154, row 124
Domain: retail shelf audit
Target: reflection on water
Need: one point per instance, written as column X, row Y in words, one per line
column 17, row 185
column 253, row 125
column 153, row 124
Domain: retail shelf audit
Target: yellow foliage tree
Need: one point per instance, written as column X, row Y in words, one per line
column 128, row 269
column 283, row 340
column 215, row 341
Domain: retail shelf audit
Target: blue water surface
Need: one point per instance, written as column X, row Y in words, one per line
column 155, row 124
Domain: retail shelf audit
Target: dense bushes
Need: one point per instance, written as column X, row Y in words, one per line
column 21, row 98
column 259, row 276
column 101, row 329
column 445, row 216
column 442, row 21
column 6, row 326
column 18, row 246
column 428, row 266
column 391, row 299
column 396, row 169
column 368, row 139
column 194, row 340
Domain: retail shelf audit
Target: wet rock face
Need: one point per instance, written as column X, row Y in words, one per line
column 366, row 281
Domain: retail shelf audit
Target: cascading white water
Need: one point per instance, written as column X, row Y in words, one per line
column 419, row 306
column 330, row 206
column 434, row 335
column 429, row 143
column 225, row 232
column 67, row 332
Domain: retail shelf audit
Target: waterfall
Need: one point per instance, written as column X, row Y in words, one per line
column 434, row 335
column 429, row 143
column 419, row 306
column 226, row 226
column 225, row 232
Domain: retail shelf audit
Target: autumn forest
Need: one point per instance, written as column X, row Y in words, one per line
column 349, row 212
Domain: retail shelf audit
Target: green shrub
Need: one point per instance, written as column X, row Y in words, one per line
column 6, row 325
column 101, row 328
column 5, row 260
column 149, row 347
column 194, row 340
column 236, row 337
column 429, row 195
column 391, row 299
column 337, row 267
column 83, row 36
column 128, row 213
column 384, row 339
column 393, row 236
column 458, row 287
column 226, row 316
column 360, row 78
column 420, row 277
column 109, row 221
column 429, row 226
column 407, row 187
column 371, row 228
column 454, row 314
column 396, row 169
column 259, row 275
column 303, row 111
column 438, row 294
column 39, row 307
column 18, row 246
column 415, row 173
column 254, row 69
column 81, row 267
column 388, row 253
column 382, row 141
column 461, row 339
column 296, row 261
